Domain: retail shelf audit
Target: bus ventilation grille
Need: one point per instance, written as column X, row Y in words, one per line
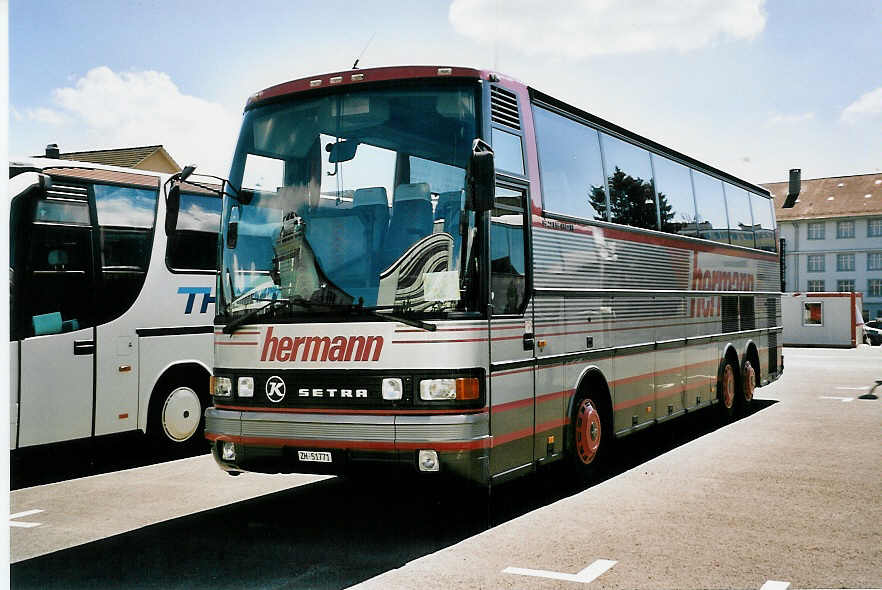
column 504, row 108
column 67, row 192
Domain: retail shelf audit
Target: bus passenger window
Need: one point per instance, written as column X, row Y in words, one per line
column 763, row 222
column 569, row 166
column 509, row 155
column 676, row 203
column 126, row 217
column 712, row 221
column 629, row 179
column 507, row 256
column 740, row 223
column 193, row 245
column 60, row 278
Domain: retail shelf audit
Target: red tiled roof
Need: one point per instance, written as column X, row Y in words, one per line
column 838, row 196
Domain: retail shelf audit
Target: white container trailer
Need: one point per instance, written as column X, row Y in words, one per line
column 822, row 319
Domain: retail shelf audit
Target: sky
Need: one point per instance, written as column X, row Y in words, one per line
column 753, row 87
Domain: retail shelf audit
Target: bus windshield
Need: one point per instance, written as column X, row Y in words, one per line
column 352, row 199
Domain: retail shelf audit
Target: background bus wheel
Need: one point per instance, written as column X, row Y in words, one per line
column 748, row 385
column 589, row 440
column 176, row 421
column 727, row 390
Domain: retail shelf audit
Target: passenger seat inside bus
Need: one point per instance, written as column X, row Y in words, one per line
column 411, row 220
column 373, row 205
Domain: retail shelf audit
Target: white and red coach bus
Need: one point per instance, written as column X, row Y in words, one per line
column 445, row 268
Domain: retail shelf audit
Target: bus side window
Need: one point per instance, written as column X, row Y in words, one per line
column 193, row 245
column 507, row 252
column 60, row 279
column 126, row 217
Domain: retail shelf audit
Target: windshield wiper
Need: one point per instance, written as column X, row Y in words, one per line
column 371, row 311
column 234, row 325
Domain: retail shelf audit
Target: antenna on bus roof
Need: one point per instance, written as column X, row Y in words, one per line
column 357, row 59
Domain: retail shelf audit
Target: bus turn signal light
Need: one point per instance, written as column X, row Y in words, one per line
column 467, row 388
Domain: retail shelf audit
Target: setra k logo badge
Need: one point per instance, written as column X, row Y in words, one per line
column 275, row 389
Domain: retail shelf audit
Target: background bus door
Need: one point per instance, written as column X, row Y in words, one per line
column 511, row 335
column 53, row 318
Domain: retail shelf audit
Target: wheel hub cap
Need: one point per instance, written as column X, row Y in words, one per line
column 749, row 382
column 181, row 414
column 588, row 431
column 729, row 386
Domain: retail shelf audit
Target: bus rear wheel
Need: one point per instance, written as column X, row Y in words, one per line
column 176, row 420
column 589, row 439
column 748, row 386
column 727, row 390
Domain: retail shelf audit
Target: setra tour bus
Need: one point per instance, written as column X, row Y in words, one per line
column 110, row 317
column 447, row 269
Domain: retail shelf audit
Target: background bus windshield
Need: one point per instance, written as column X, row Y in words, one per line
column 351, row 198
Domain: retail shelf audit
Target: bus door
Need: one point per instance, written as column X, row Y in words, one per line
column 512, row 360
column 53, row 315
column 125, row 222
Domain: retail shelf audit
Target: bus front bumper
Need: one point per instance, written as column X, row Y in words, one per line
column 271, row 442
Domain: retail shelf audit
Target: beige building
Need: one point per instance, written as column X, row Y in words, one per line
column 832, row 237
column 149, row 157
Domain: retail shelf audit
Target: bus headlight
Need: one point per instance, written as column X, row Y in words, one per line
column 245, row 387
column 392, row 388
column 222, row 386
column 450, row 389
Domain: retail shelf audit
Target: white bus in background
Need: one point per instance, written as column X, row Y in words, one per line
column 111, row 311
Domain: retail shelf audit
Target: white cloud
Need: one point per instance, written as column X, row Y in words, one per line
column 603, row 27
column 43, row 115
column 779, row 119
column 146, row 108
column 868, row 105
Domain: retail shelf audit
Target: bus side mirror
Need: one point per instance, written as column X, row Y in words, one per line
column 172, row 208
column 233, row 228
column 481, row 178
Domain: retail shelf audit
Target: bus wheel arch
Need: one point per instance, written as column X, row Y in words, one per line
column 590, row 430
column 176, row 410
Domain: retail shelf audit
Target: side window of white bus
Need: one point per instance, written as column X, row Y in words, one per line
column 507, row 252
column 54, row 293
column 193, row 245
column 126, row 217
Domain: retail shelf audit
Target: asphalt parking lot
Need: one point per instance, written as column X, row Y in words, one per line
column 788, row 496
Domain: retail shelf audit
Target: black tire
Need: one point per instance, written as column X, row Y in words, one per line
column 727, row 390
column 176, row 419
column 590, row 439
column 748, row 387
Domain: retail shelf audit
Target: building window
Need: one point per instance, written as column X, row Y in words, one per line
column 874, row 260
column 813, row 314
column 816, row 286
column 844, row 229
column 816, row 230
column 874, row 228
column 845, row 285
column 874, row 288
column 845, row 262
column 815, row 262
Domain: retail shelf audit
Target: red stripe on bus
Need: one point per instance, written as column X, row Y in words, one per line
column 452, row 341
column 237, row 343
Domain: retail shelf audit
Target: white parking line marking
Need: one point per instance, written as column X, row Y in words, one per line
column 865, row 388
column 589, row 574
column 842, row 399
column 24, row 525
column 775, row 585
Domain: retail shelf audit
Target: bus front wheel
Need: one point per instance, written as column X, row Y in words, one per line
column 590, row 438
column 176, row 419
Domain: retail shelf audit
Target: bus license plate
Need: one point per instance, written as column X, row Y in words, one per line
column 314, row 456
